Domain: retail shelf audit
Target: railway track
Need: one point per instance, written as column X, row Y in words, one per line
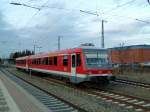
column 129, row 102
column 133, row 83
column 123, row 100
column 51, row 101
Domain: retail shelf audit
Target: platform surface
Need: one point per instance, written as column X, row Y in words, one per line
column 13, row 98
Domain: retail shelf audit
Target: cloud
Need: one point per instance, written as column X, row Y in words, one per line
column 7, row 37
column 23, row 27
column 130, row 29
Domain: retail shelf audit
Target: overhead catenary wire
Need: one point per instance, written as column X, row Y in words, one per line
column 96, row 13
column 38, row 10
column 119, row 6
column 106, row 12
column 34, row 7
column 131, row 18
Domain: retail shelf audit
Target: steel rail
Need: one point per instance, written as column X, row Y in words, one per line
column 134, row 83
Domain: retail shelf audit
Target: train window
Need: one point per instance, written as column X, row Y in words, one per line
column 65, row 60
column 32, row 61
column 55, row 60
column 78, row 60
column 21, row 61
column 73, row 61
column 43, row 61
column 46, row 61
column 40, row 61
column 50, row 61
column 36, row 61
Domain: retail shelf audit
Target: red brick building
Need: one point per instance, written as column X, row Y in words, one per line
column 136, row 54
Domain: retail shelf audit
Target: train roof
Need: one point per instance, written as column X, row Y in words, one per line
column 131, row 47
column 21, row 58
column 61, row 52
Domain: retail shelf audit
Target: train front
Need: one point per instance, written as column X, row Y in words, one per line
column 97, row 65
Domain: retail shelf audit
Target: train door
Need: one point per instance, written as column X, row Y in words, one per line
column 73, row 68
column 27, row 66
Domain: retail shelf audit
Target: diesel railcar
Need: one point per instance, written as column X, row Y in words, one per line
column 77, row 64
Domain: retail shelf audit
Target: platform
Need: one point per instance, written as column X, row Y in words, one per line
column 13, row 98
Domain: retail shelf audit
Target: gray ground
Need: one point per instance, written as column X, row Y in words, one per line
column 141, row 77
column 90, row 103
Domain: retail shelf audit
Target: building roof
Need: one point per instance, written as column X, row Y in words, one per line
column 132, row 47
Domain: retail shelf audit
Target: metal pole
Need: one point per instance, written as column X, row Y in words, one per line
column 34, row 48
column 30, row 72
column 58, row 42
column 102, row 38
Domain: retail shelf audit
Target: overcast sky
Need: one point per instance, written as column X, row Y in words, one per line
column 21, row 27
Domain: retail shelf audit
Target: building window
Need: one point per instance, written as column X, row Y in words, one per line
column 65, row 60
column 55, row 60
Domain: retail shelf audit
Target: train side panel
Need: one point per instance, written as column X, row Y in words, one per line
column 67, row 63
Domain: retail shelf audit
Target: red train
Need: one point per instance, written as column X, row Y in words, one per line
column 78, row 64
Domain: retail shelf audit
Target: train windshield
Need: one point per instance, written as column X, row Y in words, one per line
column 96, row 59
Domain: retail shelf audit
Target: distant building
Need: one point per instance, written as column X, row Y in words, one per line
column 135, row 54
column 8, row 61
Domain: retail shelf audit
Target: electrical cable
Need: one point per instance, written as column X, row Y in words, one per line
column 119, row 6
column 39, row 9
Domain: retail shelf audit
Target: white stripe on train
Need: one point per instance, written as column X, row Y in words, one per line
column 64, row 73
